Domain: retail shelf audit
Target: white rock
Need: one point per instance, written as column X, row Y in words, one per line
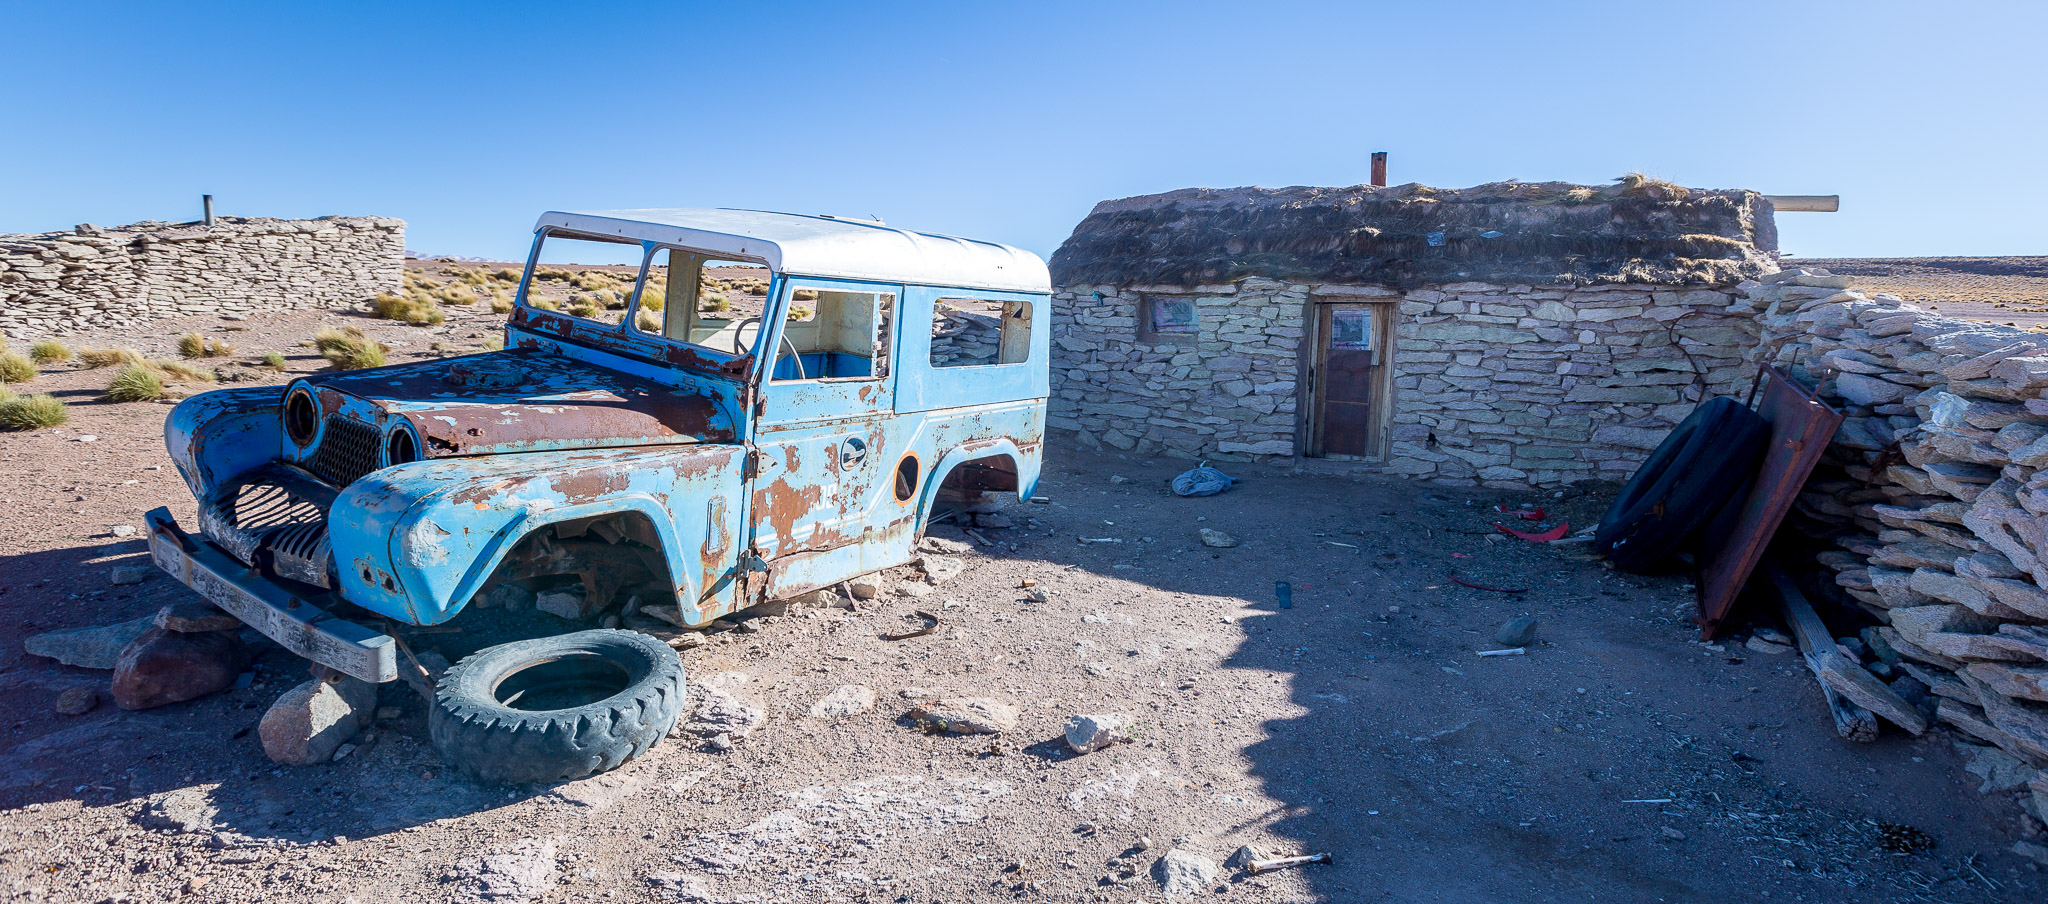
column 940, row 569
column 1089, row 733
column 1181, row 873
column 844, row 700
column 310, row 722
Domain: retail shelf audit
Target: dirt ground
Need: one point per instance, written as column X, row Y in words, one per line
column 1619, row 760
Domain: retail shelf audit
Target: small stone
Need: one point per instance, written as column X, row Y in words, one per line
column 1757, row 644
column 182, row 810
column 1181, row 873
column 195, row 617
column 967, row 715
column 1118, row 478
column 569, row 603
column 121, row 530
column 913, row 590
column 97, row 647
column 940, row 569
column 309, row 723
column 1089, row 733
column 718, row 712
column 163, row 667
column 88, row 438
column 77, row 701
column 1673, row 834
column 1097, row 669
column 125, row 575
column 1217, row 539
column 1772, row 635
column 1244, row 857
column 865, row 587
column 720, row 742
column 1517, row 632
column 844, row 700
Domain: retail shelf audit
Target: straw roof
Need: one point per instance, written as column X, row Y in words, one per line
column 1404, row 236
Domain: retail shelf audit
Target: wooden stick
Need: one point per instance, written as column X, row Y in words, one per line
column 1857, row 689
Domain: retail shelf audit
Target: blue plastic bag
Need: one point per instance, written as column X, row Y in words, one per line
column 1202, row 480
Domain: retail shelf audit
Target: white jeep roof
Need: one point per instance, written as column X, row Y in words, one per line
column 802, row 245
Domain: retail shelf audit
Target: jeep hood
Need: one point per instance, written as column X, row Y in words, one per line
column 525, row 400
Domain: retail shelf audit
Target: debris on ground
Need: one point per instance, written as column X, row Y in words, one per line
column 931, row 624
column 77, row 701
column 1546, row 536
column 1202, row 480
column 1181, row 873
column 1217, row 539
column 1517, row 632
column 1244, row 857
column 1267, row 866
column 865, row 587
column 965, row 715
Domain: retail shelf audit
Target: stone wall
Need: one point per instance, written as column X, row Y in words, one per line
column 61, row 282
column 1508, row 386
column 1935, row 496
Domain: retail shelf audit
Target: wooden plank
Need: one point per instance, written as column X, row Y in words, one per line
column 1835, row 670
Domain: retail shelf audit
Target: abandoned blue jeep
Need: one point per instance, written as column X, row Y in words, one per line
column 778, row 404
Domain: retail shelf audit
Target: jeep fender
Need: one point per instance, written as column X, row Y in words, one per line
column 216, row 435
column 415, row 542
column 1027, row 470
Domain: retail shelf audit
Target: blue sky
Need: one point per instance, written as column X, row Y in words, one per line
column 1009, row 121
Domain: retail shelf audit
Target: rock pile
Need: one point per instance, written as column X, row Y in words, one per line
column 94, row 277
column 1935, row 490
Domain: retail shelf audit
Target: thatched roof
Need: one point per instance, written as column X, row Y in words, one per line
column 1403, row 236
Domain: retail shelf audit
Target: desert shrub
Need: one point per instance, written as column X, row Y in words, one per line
column 470, row 277
column 348, row 349
column 15, row 367
column 1579, row 195
column 755, row 288
column 806, row 295
column 30, row 412
column 135, row 383
column 179, row 370
column 273, row 360
column 582, row 307
column 415, row 307
column 799, row 313
column 49, row 351
column 108, row 357
column 191, row 345
column 1638, row 183
column 456, row 295
column 715, row 303
column 647, row 321
column 506, row 274
column 501, row 303
column 654, row 297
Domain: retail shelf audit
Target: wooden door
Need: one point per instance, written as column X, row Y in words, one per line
column 1350, row 380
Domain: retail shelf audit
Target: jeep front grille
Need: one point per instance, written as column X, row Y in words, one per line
column 348, row 450
column 277, row 517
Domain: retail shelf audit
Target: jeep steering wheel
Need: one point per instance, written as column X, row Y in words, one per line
column 794, row 355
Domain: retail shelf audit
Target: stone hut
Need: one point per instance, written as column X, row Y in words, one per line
column 1511, row 334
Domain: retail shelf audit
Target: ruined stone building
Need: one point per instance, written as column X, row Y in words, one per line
column 1510, row 334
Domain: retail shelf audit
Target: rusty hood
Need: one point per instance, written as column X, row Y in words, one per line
column 525, row 400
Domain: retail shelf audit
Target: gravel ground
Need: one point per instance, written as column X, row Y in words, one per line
column 1619, row 760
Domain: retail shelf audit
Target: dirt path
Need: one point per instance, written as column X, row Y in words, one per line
column 1617, row 761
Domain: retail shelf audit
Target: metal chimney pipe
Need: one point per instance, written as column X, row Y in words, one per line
column 206, row 204
column 1379, row 167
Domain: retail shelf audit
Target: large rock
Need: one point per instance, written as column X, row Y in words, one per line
column 966, row 715
column 1970, row 593
column 2025, row 681
column 1181, row 873
column 163, row 667
column 1089, row 733
column 1861, row 389
column 97, row 647
column 2026, row 724
column 309, row 722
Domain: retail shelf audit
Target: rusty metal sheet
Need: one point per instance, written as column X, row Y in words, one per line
column 1801, row 427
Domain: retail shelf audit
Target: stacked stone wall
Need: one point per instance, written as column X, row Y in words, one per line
column 1935, row 492
column 1509, row 386
column 62, row 282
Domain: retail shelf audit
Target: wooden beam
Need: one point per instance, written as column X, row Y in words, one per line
column 1813, row 203
column 1836, row 671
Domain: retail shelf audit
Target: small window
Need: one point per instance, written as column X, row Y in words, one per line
column 692, row 298
column 1168, row 319
column 833, row 335
column 968, row 332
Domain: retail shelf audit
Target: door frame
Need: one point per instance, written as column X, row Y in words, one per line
column 1381, row 425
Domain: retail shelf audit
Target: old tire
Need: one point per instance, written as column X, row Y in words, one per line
column 1702, row 467
column 556, row 708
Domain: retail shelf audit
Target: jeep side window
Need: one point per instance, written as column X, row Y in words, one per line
column 830, row 334
column 691, row 298
column 967, row 332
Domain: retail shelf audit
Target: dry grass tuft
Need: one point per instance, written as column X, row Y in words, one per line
column 191, row 345
column 647, row 321
column 135, row 383
column 49, row 351
column 501, row 303
column 15, row 367
column 1643, row 185
column 714, row 303
column 493, row 343
column 416, row 307
column 108, row 357
column 1579, row 195
column 274, row 360
column 30, row 412
column 348, row 349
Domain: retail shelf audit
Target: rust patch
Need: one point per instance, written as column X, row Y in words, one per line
column 717, row 541
column 589, row 484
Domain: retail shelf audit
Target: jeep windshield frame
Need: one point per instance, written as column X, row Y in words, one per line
column 623, row 336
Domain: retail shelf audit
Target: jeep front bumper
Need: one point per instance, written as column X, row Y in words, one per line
column 295, row 623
